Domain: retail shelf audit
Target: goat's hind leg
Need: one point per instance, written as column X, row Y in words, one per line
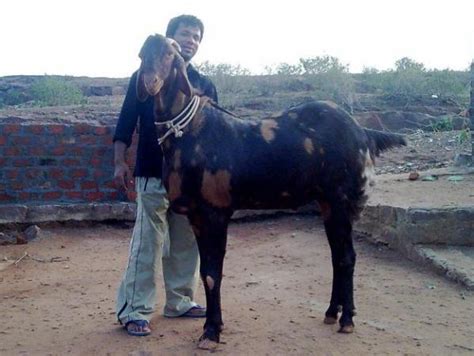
column 339, row 232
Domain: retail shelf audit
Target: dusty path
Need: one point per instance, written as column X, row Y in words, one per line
column 275, row 291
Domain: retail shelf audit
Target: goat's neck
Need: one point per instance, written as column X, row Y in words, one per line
column 170, row 101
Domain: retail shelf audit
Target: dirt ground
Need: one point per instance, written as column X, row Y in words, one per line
column 60, row 298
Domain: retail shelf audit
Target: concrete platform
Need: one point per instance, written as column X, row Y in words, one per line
column 34, row 214
column 430, row 220
column 455, row 262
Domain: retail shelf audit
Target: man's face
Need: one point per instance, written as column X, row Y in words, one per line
column 188, row 38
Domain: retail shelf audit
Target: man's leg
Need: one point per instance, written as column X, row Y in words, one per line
column 180, row 267
column 136, row 296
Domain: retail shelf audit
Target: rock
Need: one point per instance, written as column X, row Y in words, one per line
column 32, row 233
column 7, row 239
column 413, row 176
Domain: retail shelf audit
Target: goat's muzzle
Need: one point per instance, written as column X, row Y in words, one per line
column 152, row 83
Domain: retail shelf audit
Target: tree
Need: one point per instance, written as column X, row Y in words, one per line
column 322, row 64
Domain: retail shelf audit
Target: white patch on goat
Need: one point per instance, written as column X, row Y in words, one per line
column 210, row 282
column 369, row 172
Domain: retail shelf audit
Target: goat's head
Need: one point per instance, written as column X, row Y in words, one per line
column 161, row 64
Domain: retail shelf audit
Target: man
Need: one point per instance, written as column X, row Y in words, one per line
column 159, row 235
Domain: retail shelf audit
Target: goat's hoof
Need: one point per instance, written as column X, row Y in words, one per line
column 346, row 329
column 206, row 344
column 330, row 320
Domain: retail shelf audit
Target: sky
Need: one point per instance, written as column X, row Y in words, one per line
column 102, row 38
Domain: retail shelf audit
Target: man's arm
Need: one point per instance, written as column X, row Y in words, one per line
column 123, row 135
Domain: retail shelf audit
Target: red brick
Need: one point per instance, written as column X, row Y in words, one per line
column 96, row 162
column 12, row 128
column 102, row 151
column 110, row 184
column 52, row 195
column 56, row 173
column 58, row 151
column 106, row 141
column 66, row 184
column 88, row 185
column 3, row 140
column 17, row 185
column 102, row 130
column 56, row 129
column 23, row 162
column 79, row 173
column 82, row 129
column 74, row 195
column 131, row 195
column 99, row 173
column 70, row 162
column 36, row 129
column 93, row 196
column 36, row 151
column 112, row 196
column 21, row 140
column 32, row 173
column 12, row 151
column 13, row 174
column 25, row 196
column 76, row 151
column 6, row 197
column 87, row 140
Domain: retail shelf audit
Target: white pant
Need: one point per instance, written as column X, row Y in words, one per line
column 158, row 235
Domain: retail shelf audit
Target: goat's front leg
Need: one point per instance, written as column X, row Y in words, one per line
column 211, row 235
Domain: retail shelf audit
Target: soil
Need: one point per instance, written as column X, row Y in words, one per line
column 59, row 299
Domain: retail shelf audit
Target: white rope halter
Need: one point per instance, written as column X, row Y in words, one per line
column 180, row 121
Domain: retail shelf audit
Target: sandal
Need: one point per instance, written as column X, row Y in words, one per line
column 143, row 324
column 195, row 312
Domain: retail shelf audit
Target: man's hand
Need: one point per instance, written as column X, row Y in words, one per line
column 123, row 176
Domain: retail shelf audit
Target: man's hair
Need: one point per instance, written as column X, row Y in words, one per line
column 186, row 20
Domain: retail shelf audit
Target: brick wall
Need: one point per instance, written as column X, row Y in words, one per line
column 49, row 163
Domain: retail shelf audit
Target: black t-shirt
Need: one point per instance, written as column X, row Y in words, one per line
column 149, row 155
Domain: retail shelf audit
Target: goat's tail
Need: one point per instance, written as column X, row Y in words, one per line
column 381, row 141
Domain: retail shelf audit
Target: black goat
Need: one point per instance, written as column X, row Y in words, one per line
column 216, row 164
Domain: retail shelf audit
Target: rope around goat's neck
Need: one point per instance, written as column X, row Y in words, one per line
column 180, row 121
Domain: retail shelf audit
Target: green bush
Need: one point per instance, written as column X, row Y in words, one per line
column 410, row 81
column 12, row 97
column 326, row 78
column 445, row 123
column 56, row 91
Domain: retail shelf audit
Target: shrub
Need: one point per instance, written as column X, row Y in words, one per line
column 56, row 91
column 13, row 97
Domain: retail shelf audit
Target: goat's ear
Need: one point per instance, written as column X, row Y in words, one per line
column 142, row 94
column 182, row 77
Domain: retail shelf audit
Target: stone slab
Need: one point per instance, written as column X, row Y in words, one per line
column 33, row 214
column 455, row 262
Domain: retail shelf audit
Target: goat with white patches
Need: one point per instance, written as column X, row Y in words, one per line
column 216, row 164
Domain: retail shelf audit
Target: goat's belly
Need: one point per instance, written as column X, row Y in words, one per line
column 282, row 200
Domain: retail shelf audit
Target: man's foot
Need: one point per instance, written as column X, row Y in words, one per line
column 138, row 328
column 195, row 312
